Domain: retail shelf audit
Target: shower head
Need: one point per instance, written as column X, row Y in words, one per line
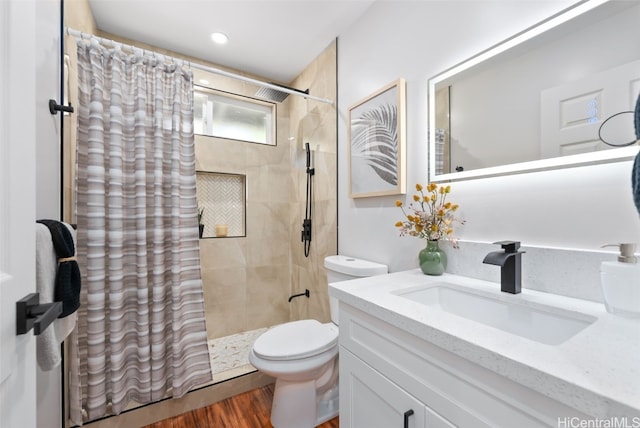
column 271, row 94
column 276, row 95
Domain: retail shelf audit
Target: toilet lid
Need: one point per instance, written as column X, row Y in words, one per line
column 297, row 339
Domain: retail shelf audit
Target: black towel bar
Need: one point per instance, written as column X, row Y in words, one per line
column 31, row 314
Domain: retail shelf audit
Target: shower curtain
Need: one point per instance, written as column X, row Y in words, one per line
column 141, row 329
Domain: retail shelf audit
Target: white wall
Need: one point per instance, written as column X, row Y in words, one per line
column 48, row 186
column 578, row 208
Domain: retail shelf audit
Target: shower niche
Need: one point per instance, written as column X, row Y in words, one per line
column 222, row 203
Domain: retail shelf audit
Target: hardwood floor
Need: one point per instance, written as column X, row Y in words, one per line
column 248, row 410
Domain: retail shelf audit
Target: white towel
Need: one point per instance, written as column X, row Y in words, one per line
column 48, row 342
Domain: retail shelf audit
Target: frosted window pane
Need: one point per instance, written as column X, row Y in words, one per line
column 223, row 115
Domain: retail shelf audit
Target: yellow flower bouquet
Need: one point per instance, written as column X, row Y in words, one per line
column 430, row 216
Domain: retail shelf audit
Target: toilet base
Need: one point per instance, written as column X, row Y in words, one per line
column 328, row 405
column 295, row 405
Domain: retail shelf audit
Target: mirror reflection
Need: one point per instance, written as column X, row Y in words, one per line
column 540, row 99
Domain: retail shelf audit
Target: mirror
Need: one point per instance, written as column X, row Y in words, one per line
column 538, row 100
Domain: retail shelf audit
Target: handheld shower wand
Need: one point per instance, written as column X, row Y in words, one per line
column 306, row 223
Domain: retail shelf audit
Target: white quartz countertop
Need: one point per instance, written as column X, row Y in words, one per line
column 596, row 371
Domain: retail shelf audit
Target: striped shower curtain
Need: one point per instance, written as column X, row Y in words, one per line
column 141, row 329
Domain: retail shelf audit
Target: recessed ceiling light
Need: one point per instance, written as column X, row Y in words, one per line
column 219, row 38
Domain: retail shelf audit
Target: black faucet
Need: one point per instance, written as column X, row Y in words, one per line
column 510, row 262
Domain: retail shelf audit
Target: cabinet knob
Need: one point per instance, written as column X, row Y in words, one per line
column 406, row 417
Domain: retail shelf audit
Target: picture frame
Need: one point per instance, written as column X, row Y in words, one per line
column 376, row 148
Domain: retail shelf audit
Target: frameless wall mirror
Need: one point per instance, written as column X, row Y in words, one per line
column 234, row 117
column 538, row 100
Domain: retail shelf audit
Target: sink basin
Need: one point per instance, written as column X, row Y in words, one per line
column 544, row 324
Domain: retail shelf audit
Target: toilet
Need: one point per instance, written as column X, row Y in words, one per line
column 303, row 356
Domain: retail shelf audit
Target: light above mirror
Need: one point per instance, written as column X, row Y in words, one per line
column 537, row 100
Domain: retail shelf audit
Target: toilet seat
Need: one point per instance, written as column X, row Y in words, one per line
column 296, row 340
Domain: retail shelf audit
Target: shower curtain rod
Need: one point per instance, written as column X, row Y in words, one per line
column 80, row 35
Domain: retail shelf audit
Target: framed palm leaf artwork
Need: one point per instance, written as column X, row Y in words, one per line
column 376, row 146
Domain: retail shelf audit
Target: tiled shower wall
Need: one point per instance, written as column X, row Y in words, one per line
column 248, row 280
column 316, row 123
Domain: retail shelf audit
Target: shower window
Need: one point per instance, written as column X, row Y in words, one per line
column 222, row 204
column 234, row 117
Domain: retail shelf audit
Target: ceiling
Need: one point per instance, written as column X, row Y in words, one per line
column 273, row 39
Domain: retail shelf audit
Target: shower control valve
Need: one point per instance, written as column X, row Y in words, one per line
column 306, row 230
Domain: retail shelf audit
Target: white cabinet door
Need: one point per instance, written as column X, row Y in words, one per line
column 368, row 399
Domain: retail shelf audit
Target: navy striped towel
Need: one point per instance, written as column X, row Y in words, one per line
column 67, row 288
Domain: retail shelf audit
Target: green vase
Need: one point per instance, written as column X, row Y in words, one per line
column 433, row 261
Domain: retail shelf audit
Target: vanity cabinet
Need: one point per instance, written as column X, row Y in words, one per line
column 386, row 371
column 372, row 400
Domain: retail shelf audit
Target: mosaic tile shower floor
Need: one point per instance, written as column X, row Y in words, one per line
column 230, row 355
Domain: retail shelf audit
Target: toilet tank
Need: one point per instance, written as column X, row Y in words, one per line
column 343, row 268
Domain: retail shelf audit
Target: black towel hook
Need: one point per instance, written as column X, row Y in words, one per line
column 54, row 107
